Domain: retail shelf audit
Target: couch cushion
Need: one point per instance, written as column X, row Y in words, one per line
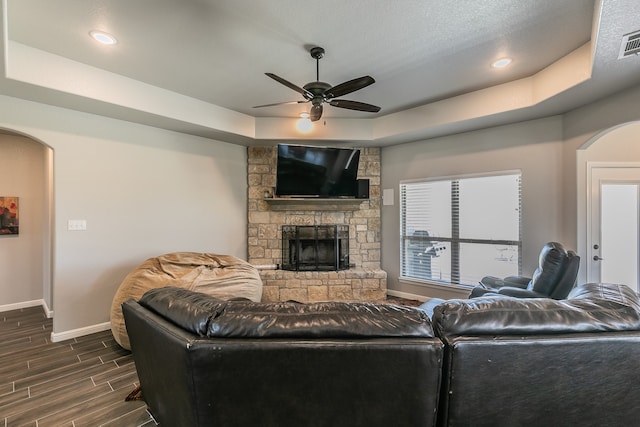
column 590, row 308
column 551, row 264
column 607, row 291
column 187, row 309
column 208, row 316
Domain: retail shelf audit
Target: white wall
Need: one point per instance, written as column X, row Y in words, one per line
column 534, row 148
column 143, row 192
column 22, row 174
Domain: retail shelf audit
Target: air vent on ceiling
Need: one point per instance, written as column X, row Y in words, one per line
column 630, row 45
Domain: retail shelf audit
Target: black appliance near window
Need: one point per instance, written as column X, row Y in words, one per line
column 315, row 247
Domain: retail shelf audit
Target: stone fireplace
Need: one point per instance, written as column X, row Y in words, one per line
column 359, row 279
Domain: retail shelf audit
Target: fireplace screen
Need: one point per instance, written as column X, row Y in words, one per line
column 315, row 247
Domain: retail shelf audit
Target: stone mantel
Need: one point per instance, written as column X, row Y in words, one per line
column 266, row 216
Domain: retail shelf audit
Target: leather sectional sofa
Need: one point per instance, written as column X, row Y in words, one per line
column 206, row 362
column 488, row 361
column 541, row 362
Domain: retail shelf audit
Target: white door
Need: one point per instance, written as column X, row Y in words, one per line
column 612, row 246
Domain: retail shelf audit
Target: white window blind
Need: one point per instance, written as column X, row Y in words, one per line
column 459, row 230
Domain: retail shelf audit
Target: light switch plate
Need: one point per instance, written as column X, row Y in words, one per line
column 77, row 225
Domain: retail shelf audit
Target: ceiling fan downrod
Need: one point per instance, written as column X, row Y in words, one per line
column 317, row 53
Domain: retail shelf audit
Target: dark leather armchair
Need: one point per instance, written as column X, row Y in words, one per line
column 554, row 278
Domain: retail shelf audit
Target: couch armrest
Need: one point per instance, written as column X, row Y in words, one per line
column 517, row 281
column 491, row 282
column 513, row 291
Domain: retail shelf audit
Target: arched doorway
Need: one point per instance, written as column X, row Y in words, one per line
column 26, row 172
column 609, row 207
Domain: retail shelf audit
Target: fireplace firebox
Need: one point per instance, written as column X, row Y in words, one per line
column 315, row 247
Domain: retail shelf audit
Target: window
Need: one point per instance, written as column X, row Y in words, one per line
column 460, row 230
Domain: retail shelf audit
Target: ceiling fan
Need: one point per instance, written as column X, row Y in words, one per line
column 320, row 92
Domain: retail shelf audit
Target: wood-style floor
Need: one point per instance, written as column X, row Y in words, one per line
column 75, row 383
column 79, row 382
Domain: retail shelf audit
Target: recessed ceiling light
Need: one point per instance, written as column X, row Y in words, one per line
column 102, row 37
column 501, row 63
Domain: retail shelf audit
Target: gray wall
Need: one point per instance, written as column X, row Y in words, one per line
column 23, row 276
column 143, row 192
column 579, row 126
column 534, row 148
column 543, row 150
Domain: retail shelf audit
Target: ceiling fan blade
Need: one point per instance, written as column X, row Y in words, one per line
column 348, row 87
column 280, row 103
column 316, row 113
column 303, row 92
column 354, row 105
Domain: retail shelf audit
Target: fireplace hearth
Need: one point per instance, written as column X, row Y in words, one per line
column 315, row 247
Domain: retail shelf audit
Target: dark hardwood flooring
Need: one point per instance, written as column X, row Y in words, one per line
column 78, row 382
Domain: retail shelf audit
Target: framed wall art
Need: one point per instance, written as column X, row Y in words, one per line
column 9, row 218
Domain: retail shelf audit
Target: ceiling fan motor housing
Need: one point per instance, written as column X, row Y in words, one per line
column 317, row 88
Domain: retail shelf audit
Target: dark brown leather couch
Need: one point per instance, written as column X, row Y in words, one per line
column 541, row 362
column 206, row 362
column 489, row 361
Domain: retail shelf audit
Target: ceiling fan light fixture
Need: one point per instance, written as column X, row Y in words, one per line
column 501, row 63
column 304, row 125
column 304, row 115
column 102, row 37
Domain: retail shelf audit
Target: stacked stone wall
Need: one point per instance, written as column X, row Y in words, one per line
column 265, row 219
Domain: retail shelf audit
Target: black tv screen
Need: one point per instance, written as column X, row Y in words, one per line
column 304, row 171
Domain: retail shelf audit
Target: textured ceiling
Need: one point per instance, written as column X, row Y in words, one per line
column 419, row 52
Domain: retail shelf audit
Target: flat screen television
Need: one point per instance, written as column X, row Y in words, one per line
column 305, row 171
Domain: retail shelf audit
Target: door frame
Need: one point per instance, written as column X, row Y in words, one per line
column 593, row 192
column 590, row 195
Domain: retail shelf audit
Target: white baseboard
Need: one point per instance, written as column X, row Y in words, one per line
column 74, row 333
column 406, row 295
column 28, row 304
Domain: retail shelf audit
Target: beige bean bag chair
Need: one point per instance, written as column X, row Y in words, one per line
column 221, row 276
